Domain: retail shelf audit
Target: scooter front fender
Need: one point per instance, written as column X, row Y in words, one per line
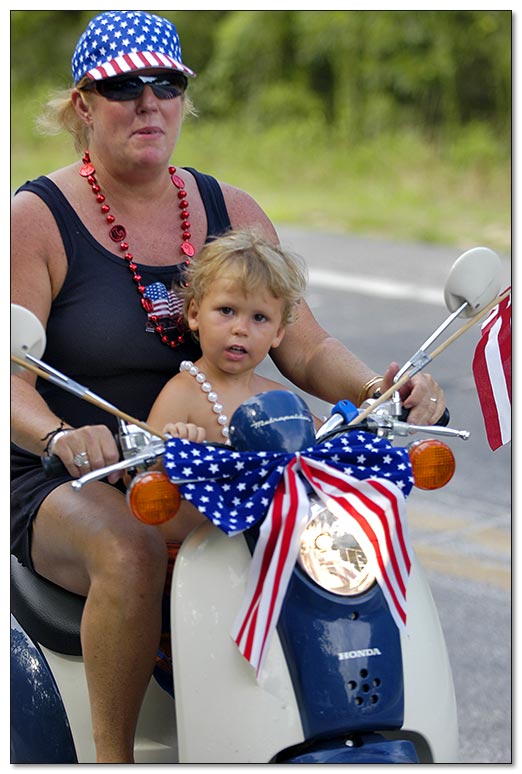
column 224, row 714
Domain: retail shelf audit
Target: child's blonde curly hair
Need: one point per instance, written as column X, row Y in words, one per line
column 254, row 263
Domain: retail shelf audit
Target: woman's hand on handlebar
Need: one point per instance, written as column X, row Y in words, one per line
column 87, row 448
column 421, row 395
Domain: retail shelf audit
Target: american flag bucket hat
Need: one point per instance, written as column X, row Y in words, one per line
column 118, row 42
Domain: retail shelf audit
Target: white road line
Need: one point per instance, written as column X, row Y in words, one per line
column 373, row 286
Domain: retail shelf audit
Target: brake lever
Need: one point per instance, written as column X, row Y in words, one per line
column 403, row 428
column 147, row 457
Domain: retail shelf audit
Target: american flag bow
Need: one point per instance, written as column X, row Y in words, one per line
column 364, row 476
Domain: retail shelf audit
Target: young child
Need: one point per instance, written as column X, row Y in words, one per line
column 242, row 292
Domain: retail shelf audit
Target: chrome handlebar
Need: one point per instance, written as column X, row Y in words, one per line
column 141, row 449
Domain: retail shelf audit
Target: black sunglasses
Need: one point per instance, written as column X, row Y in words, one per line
column 126, row 87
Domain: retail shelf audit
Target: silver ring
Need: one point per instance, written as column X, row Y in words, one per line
column 434, row 399
column 81, row 459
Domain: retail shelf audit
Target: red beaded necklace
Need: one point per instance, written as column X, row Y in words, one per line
column 118, row 233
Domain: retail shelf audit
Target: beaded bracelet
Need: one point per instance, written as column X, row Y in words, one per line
column 364, row 389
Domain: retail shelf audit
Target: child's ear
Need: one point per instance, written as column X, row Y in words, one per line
column 193, row 315
column 279, row 336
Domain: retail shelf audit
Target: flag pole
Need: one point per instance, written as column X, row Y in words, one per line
column 89, row 397
column 469, row 324
column 436, row 352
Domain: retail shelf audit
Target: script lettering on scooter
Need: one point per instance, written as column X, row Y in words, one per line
column 273, row 420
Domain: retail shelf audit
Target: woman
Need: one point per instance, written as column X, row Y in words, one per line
column 94, row 248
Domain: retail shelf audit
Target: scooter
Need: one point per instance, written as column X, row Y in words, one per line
column 352, row 665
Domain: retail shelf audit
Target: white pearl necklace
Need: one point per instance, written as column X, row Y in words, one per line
column 217, row 408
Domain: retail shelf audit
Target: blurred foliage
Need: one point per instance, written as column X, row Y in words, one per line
column 364, row 72
column 396, row 121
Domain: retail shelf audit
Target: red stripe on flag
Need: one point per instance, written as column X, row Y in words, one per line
column 275, row 517
column 288, row 530
column 343, row 484
column 380, row 561
column 398, row 521
column 272, row 564
column 333, row 480
column 492, row 373
column 486, row 396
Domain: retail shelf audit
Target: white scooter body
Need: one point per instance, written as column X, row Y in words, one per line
column 226, row 716
column 222, row 714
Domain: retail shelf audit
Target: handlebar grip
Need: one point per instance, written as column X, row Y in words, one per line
column 443, row 421
column 53, row 466
column 346, row 409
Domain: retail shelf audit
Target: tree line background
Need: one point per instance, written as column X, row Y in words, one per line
column 358, row 81
column 361, row 71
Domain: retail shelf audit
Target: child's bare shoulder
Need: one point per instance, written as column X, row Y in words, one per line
column 172, row 402
column 179, row 384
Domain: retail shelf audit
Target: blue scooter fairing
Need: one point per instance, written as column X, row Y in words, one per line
column 344, row 656
column 40, row 731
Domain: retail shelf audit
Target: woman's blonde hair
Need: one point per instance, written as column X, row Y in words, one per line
column 59, row 115
column 254, row 263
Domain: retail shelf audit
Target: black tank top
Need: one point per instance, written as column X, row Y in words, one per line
column 98, row 333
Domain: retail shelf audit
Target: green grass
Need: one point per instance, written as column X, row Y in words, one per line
column 399, row 187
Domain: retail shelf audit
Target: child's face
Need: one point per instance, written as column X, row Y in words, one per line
column 236, row 331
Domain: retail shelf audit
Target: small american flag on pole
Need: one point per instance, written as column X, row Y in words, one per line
column 492, row 373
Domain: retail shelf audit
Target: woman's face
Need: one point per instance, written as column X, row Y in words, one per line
column 141, row 131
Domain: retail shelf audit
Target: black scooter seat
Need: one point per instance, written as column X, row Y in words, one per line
column 50, row 615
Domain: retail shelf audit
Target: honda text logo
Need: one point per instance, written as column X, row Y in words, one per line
column 358, row 653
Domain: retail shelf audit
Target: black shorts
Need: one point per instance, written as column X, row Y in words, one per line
column 29, row 488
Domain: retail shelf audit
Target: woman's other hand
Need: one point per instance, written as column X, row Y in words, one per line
column 421, row 395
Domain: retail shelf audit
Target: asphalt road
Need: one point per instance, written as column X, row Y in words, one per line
column 383, row 300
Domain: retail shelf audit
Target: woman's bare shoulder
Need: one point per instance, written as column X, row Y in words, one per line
column 35, row 240
column 245, row 212
column 27, row 203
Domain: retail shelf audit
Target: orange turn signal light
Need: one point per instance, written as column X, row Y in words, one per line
column 432, row 462
column 152, row 498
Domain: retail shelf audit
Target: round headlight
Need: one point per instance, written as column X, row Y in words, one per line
column 331, row 555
